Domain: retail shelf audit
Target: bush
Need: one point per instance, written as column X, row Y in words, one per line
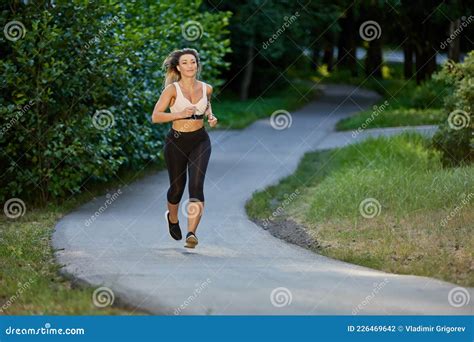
column 455, row 136
column 429, row 95
column 79, row 85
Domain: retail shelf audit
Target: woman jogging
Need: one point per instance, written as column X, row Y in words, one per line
column 187, row 145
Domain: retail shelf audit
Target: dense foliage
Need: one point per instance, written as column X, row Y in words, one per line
column 455, row 137
column 79, row 82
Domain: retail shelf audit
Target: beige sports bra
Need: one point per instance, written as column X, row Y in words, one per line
column 180, row 103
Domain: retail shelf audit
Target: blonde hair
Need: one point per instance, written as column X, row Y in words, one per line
column 172, row 61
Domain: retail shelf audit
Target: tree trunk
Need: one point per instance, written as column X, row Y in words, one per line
column 454, row 46
column 373, row 60
column 328, row 54
column 248, row 70
column 314, row 58
column 346, row 55
column 408, row 59
column 425, row 54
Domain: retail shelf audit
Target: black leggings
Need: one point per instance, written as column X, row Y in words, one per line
column 191, row 151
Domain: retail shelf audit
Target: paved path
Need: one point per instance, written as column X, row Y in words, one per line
column 237, row 264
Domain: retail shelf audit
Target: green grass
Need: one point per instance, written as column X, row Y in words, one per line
column 236, row 114
column 30, row 282
column 392, row 118
column 404, row 103
column 415, row 194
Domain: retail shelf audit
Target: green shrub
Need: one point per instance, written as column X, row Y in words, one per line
column 429, row 94
column 79, row 59
column 455, row 135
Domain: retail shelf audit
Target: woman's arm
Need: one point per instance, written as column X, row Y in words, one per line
column 208, row 111
column 211, row 119
column 159, row 115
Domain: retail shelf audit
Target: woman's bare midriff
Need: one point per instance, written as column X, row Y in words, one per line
column 184, row 125
column 187, row 125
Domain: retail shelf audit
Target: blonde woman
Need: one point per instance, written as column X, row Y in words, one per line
column 187, row 145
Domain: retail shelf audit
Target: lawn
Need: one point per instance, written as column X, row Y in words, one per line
column 385, row 203
column 30, row 282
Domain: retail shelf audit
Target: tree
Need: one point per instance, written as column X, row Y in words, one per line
column 269, row 37
column 79, row 82
column 347, row 42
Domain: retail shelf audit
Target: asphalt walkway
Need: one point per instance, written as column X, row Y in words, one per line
column 238, row 267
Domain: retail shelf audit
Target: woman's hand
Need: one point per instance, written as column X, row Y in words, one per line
column 188, row 111
column 212, row 120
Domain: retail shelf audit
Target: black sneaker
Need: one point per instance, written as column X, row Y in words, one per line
column 174, row 229
column 191, row 240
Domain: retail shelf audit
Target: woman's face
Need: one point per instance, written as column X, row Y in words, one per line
column 187, row 65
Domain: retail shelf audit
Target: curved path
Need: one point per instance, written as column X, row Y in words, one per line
column 238, row 267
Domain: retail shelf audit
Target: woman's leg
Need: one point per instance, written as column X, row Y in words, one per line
column 176, row 162
column 198, row 161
